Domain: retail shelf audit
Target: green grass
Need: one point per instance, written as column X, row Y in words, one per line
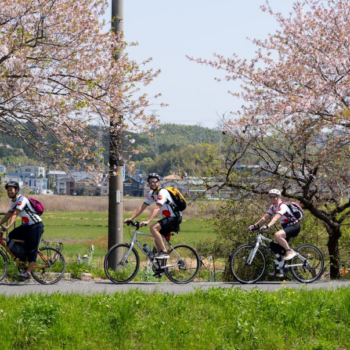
column 214, row 319
column 78, row 230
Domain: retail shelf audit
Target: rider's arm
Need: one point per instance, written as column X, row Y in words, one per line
column 274, row 220
column 139, row 210
column 263, row 219
column 13, row 217
column 153, row 214
column 5, row 218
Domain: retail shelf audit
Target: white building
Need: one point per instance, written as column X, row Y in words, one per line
column 37, row 171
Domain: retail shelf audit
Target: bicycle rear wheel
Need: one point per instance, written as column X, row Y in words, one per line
column 241, row 270
column 3, row 265
column 312, row 268
column 50, row 268
column 183, row 264
column 120, row 265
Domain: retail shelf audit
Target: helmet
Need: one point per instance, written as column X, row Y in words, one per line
column 274, row 191
column 154, row 175
column 12, row 184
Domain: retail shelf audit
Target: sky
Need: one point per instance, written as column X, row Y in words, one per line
column 167, row 31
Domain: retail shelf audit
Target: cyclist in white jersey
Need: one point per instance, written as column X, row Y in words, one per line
column 31, row 229
column 279, row 211
column 171, row 219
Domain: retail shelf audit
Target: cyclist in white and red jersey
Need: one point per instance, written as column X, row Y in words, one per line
column 31, row 229
column 279, row 211
column 171, row 219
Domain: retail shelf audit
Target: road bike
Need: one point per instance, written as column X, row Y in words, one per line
column 49, row 267
column 248, row 262
column 122, row 261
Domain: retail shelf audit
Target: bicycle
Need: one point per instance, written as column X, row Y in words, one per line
column 248, row 262
column 49, row 267
column 122, row 261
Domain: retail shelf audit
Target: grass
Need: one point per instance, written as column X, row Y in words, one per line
column 214, row 319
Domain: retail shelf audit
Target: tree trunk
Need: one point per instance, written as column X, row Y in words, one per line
column 334, row 234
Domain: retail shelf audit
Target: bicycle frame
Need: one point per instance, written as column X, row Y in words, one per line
column 153, row 261
column 21, row 265
column 280, row 263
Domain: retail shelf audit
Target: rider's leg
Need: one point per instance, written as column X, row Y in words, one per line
column 280, row 237
column 157, row 236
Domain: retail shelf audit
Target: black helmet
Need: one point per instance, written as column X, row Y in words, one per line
column 153, row 175
column 12, row 184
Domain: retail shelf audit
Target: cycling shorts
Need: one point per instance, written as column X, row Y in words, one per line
column 169, row 224
column 292, row 230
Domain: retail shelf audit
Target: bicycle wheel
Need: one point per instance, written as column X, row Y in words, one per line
column 311, row 269
column 183, row 264
column 121, row 265
column 3, row 265
column 241, row 270
column 50, row 267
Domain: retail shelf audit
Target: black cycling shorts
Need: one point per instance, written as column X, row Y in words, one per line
column 170, row 224
column 292, row 231
column 31, row 234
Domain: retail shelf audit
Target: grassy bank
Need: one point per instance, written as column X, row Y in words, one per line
column 213, row 319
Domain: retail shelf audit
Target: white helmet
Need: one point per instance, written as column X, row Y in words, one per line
column 274, row 191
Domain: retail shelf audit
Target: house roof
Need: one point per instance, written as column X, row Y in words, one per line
column 172, row 177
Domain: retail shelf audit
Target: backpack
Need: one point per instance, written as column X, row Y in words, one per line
column 296, row 210
column 178, row 198
column 36, row 205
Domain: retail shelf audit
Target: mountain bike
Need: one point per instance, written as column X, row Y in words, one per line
column 122, row 261
column 248, row 262
column 50, row 265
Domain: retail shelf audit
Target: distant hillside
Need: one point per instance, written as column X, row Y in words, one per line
column 168, row 137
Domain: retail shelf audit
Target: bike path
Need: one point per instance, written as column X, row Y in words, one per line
column 103, row 286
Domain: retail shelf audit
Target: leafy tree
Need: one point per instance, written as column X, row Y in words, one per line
column 57, row 75
column 295, row 119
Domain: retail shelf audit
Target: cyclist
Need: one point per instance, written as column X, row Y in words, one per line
column 279, row 211
column 31, row 229
column 171, row 219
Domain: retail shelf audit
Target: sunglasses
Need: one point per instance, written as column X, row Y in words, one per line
column 272, row 196
column 153, row 182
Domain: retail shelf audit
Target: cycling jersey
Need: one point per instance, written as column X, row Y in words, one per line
column 27, row 213
column 163, row 198
column 287, row 217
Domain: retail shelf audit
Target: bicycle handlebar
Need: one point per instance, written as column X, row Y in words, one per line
column 134, row 223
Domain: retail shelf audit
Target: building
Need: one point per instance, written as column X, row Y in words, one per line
column 37, row 171
column 37, row 185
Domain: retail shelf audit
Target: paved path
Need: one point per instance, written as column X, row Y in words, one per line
column 103, row 286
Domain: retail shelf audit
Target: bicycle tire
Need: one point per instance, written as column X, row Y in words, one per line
column 241, row 271
column 185, row 263
column 311, row 271
column 118, row 271
column 53, row 269
column 3, row 265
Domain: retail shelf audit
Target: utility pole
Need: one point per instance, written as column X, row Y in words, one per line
column 116, row 163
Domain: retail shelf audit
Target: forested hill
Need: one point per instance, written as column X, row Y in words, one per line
column 170, row 141
column 174, row 136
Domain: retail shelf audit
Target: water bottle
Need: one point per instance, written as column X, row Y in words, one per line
column 147, row 250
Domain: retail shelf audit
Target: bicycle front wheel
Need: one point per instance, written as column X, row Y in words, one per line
column 241, row 270
column 121, row 264
column 183, row 264
column 3, row 265
column 49, row 267
column 312, row 268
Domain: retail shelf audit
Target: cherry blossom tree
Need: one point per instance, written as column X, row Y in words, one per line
column 58, row 76
column 295, row 119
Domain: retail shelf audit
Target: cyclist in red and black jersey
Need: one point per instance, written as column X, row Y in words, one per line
column 31, row 229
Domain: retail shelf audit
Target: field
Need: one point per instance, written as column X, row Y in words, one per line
column 82, row 222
